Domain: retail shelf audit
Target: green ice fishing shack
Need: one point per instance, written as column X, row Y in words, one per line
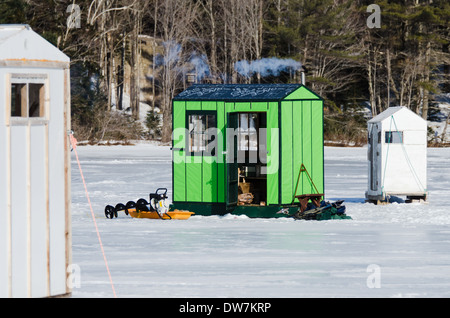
column 246, row 149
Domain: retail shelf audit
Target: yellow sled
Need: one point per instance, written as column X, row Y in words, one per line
column 144, row 210
column 111, row 212
column 171, row 215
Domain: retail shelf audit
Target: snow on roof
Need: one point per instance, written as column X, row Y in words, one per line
column 18, row 42
column 213, row 92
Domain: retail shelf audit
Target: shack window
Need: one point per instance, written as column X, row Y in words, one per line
column 27, row 100
column 202, row 131
column 248, row 135
column 394, row 137
column 35, row 100
column 18, row 100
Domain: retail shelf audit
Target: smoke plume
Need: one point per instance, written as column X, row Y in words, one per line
column 266, row 66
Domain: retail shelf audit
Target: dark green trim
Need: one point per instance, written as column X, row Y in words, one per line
column 302, row 100
column 323, row 150
column 200, row 208
column 280, row 151
column 292, row 144
column 269, row 211
column 173, row 165
column 252, row 211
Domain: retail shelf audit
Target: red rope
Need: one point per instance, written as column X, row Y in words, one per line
column 73, row 141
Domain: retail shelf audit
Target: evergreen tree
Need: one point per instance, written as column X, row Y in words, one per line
column 13, row 12
column 405, row 55
column 323, row 36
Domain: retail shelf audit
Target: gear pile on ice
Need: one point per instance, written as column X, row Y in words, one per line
column 157, row 207
column 324, row 211
column 158, row 203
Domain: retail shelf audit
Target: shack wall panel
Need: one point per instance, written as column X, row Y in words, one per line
column 179, row 156
column 57, row 184
column 19, row 211
column 242, row 107
column 297, row 146
column 286, row 155
column 194, row 177
column 259, row 106
column 179, row 177
column 273, row 154
column 4, row 216
column 209, row 105
column 317, row 170
column 229, row 107
column 403, row 169
column 193, row 105
column 411, row 137
column 209, row 182
column 306, row 147
column 39, row 234
column 221, row 128
column 4, row 211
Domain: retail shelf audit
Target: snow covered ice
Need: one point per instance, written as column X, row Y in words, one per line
column 236, row 256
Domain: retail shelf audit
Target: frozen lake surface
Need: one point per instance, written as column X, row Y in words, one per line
column 398, row 250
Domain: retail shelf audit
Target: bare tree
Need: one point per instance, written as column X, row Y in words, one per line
column 106, row 17
column 175, row 22
column 242, row 32
column 207, row 31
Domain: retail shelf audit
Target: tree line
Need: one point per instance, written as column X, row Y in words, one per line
column 405, row 60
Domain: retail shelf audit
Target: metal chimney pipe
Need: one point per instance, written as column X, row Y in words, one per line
column 303, row 71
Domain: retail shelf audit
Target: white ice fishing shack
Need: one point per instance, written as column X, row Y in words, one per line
column 35, row 231
column 397, row 154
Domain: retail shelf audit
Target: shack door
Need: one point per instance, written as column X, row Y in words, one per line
column 232, row 161
column 374, row 157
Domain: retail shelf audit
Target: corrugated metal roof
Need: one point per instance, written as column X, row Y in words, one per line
column 238, row 92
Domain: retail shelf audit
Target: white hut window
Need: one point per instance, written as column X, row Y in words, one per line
column 18, row 100
column 394, row 137
column 27, row 99
column 35, row 100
